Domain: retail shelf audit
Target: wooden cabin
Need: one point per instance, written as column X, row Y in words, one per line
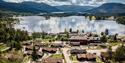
column 41, row 44
column 50, row 50
column 86, row 57
column 77, row 51
column 75, row 43
column 57, row 45
column 52, row 60
column 28, row 48
column 84, row 40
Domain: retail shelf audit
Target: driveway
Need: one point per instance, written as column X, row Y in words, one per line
column 66, row 55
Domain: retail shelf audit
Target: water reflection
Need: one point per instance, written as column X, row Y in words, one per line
column 58, row 24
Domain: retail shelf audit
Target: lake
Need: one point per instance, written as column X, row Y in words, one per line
column 59, row 24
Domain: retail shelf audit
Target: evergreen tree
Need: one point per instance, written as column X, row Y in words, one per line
column 34, row 54
column 106, row 32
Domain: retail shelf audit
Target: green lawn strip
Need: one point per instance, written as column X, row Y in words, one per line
column 98, row 60
column 26, row 59
column 45, row 40
column 73, row 57
column 3, row 48
column 3, row 45
column 8, row 61
column 114, row 44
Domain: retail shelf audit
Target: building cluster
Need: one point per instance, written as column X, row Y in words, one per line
column 88, row 57
column 83, row 40
column 83, row 55
column 51, row 48
column 75, row 40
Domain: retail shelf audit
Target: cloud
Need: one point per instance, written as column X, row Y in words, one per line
column 66, row 2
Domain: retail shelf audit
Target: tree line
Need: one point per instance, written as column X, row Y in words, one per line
column 10, row 36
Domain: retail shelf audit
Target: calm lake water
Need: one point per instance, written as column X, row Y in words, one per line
column 59, row 24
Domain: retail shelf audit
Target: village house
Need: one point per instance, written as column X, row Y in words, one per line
column 75, row 43
column 77, row 51
column 39, row 44
column 52, row 60
column 28, row 48
column 84, row 40
column 86, row 57
column 28, row 52
column 27, row 43
column 94, row 40
column 50, row 50
column 57, row 45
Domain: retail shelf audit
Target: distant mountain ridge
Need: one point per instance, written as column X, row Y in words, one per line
column 109, row 8
column 33, row 7
column 27, row 7
column 74, row 8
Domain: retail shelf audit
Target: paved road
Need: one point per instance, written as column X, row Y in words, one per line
column 66, row 55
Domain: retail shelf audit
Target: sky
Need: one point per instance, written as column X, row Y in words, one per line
column 72, row 2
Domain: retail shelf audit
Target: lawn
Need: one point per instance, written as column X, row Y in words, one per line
column 73, row 57
column 3, row 47
column 8, row 61
column 98, row 60
column 17, row 57
column 114, row 44
column 56, row 56
column 26, row 59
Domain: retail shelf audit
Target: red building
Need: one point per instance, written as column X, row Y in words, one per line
column 84, row 40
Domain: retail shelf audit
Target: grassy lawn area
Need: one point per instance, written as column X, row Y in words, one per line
column 26, row 59
column 3, row 47
column 101, row 46
column 98, row 60
column 8, row 61
column 46, row 40
column 17, row 57
column 73, row 57
column 57, row 56
column 114, row 44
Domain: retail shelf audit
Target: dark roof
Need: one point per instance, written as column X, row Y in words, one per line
column 29, row 47
column 76, row 51
column 48, row 49
column 83, row 38
column 52, row 60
